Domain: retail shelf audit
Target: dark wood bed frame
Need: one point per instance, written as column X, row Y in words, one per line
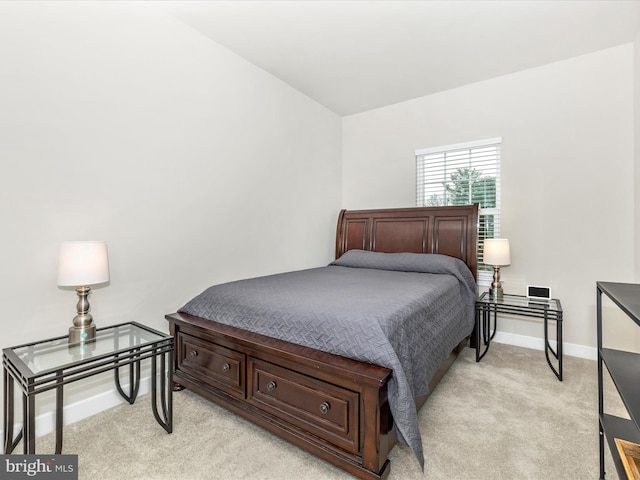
column 332, row 406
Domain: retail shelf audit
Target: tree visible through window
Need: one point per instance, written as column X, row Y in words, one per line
column 463, row 174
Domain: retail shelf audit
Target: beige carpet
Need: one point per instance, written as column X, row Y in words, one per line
column 504, row 418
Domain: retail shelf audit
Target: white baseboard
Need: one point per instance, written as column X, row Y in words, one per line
column 81, row 409
column 535, row 343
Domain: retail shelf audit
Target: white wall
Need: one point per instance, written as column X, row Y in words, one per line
column 567, row 171
column 636, row 90
column 636, row 103
column 119, row 123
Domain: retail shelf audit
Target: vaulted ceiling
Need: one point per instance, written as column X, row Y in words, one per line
column 353, row 56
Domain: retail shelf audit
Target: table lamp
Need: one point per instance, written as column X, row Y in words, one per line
column 80, row 265
column 497, row 254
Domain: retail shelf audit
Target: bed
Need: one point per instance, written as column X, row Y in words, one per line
column 329, row 397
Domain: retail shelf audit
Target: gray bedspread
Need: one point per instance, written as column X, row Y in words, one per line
column 403, row 311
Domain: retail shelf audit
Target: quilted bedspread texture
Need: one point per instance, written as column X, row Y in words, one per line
column 403, row 311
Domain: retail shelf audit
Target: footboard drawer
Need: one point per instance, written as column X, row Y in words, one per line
column 326, row 410
column 212, row 363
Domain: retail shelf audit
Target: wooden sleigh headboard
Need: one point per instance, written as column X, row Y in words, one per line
column 445, row 230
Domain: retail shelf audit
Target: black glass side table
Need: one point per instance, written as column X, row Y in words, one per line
column 548, row 310
column 52, row 364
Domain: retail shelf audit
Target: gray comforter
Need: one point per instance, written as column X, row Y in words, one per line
column 403, row 311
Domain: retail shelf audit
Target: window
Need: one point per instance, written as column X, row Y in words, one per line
column 463, row 174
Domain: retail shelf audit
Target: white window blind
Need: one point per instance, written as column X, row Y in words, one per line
column 464, row 174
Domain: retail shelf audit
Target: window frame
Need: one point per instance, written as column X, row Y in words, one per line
column 484, row 272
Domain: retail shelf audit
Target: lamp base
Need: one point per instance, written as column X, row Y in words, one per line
column 496, row 293
column 83, row 333
column 83, row 329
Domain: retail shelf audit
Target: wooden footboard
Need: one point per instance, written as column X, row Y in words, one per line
column 331, row 406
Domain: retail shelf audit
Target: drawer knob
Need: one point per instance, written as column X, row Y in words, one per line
column 324, row 408
column 271, row 386
column 226, row 367
column 193, row 354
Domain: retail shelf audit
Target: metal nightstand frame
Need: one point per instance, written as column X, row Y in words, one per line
column 518, row 305
column 31, row 383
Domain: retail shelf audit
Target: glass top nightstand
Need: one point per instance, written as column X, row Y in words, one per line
column 57, row 353
column 548, row 310
column 520, row 301
column 51, row 364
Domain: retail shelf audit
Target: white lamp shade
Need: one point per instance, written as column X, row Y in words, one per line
column 83, row 263
column 497, row 252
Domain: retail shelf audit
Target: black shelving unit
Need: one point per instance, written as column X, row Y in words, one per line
column 624, row 369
